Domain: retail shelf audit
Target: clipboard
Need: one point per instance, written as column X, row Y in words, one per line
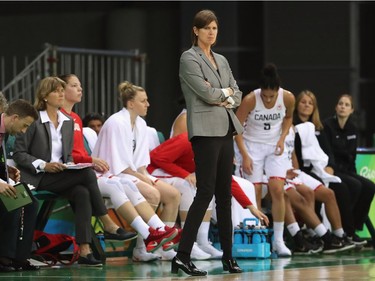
column 23, row 198
column 79, row 166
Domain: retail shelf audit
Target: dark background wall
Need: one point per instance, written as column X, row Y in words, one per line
column 326, row 47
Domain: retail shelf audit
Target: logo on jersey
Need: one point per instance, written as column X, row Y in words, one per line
column 267, row 117
column 76, row 127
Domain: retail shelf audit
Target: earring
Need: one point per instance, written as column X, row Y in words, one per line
column 45, row 100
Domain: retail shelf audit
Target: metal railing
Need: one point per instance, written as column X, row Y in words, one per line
column 100, row 72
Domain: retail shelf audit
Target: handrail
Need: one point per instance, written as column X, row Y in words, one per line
column 100, row 71
column 25, row 70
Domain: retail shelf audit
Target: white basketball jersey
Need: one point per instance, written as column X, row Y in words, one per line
column 289, row 145
column 263, row 125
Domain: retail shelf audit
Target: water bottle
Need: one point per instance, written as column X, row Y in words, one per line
column 100, row 237
column 256, row 238
column 238, row 239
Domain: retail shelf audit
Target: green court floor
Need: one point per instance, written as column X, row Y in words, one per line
column 262, row 269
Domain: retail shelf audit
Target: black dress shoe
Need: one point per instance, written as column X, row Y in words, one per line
column 89, row 260
column 231, row 266
column 6, row 268
column 120, row 235
column 24, row 265
column 188, row 268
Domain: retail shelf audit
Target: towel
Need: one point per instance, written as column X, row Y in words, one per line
column 115, row 143
column 312, row 152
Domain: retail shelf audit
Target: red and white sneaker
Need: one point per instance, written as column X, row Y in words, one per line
column 173, row 244
column 158, row 238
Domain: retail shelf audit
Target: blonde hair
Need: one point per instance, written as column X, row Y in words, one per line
column 128, row 91
column 315, row 117
column 45, row 87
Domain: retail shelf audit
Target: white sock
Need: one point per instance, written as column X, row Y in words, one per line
column 320, row 230
column 202, row 236
column 293, row 228
column 140, row 226
column 278, row 230
column 156, row 222
column 339, row 232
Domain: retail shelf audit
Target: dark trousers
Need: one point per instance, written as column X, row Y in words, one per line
column 80, row 187
column 213, row 158
column 363, row 191
column 14, row 244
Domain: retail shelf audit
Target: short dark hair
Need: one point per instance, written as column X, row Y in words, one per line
column 92, row 116
column 22, row 108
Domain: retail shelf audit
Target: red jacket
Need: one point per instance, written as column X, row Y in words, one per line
column 176, row 157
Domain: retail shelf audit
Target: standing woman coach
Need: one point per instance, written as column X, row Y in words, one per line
column 211, row 94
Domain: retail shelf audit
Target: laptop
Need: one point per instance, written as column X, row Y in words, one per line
column 23, row 198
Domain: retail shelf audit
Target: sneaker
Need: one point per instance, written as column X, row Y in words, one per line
column 209, row 249
column 158, row 238
column 165, row 255
column 280, row 249
column 173, row 244
column 304, row 247
column 198, row 254
column 357, row 241
column 334, row 244
column 141, row 255
column 315, row 240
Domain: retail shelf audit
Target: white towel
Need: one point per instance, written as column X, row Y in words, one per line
column 115, row 143
column 312, row 152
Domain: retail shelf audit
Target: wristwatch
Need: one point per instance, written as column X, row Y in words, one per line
column 42, row 166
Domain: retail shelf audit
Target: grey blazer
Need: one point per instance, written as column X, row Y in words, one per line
column 36, row 144
column 204, row 117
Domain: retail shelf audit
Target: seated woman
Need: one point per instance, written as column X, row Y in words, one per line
column 41, row 154
column 302, row 190
column 123, row 144
column 342, row 135
column 124, row 194
column 310, row 136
